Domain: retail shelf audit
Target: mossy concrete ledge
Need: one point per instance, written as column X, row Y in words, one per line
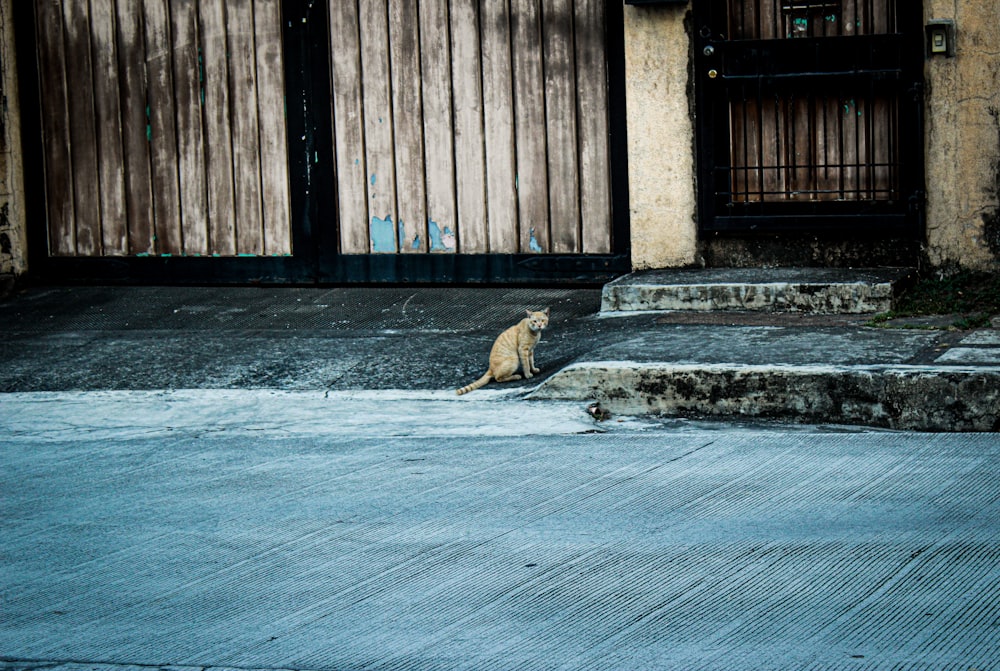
column 915, row 398
column 814, row 290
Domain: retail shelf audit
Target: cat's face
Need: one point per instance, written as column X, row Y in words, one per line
column 538, row 320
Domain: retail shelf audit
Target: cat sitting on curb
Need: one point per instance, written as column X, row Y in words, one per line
column 514, row 347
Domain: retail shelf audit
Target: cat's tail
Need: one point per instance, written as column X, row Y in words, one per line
column 481, row 382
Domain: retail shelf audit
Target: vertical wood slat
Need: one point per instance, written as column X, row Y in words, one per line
column 404, row 36
column 561, row 131
column 55, row 111
column 83, row 138
column 498, row 109
column 110, row 158
column 436, row 96
column 349, row 128
column 186, row 56
column 273, row 146
column 470, row 158
column 162, row 129
column 592, row 115
column 530, row 136
column 376, row 97
column 245, row 126
column 136, row 166
column 220, row 189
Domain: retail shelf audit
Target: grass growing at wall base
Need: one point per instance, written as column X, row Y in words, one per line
column 971, row 298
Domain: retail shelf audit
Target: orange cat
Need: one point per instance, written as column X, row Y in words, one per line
column 514, row 347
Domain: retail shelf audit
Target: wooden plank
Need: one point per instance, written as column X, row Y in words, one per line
column 470, row 143
column 190, row 136
column 220, row 189
column 135, row 142
column 351, row 165
column 244, row 119
column 110, row 158
column 830, row 147
column 379, row 146
column 592, row 115
column 560, row 113
column 407, row 114
column 82, row 127
column 802, row 155
column 55, row 112
column 439, row 138
column 498, row 106
column 273, row 140
column 880, row 152
column 162, row 130
column 529, row 108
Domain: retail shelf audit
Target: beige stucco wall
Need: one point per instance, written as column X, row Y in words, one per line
column 660, row 137
column 13, row 244
column 963, row 138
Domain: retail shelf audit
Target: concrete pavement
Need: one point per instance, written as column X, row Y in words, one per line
column 256, row 478
column 786, row 366
column 249, row 529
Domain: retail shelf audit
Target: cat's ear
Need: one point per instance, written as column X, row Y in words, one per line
column 546, row 312
column 529, row 312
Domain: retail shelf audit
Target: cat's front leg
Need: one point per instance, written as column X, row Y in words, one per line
column 527, row 362
column 531, row 360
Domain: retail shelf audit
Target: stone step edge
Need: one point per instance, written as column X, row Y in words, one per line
column 839, row 298
column 903, row 397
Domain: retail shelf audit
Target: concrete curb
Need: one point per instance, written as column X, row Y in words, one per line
column 916, row 398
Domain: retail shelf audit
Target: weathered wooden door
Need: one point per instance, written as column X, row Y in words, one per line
column 164, row 128
column 471, row 126
column 348, row 140
column 809, row 115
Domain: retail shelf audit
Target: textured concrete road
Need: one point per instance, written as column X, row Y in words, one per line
column 214, row 534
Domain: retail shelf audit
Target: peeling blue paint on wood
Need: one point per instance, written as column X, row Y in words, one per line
column 533, row 242
column 441, row 241
column 383, row 235
column 414, row 244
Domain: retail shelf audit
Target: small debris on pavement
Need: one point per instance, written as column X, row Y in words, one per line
column 597, row 412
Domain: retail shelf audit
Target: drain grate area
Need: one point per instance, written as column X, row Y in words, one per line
column 245, row 308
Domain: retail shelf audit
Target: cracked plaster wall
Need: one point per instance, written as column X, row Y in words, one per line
column 963, row 138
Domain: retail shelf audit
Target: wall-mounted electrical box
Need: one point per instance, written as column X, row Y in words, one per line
column 940, row 37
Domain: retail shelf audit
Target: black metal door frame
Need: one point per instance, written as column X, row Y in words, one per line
column 315, row 258
column 728, row 69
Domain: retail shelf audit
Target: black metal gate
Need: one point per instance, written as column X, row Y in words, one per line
column 809, row 116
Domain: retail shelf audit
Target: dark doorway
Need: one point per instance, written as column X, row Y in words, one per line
column 809, row 117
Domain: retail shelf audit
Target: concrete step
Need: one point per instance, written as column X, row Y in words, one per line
column 816, row 290
column 901, row 397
